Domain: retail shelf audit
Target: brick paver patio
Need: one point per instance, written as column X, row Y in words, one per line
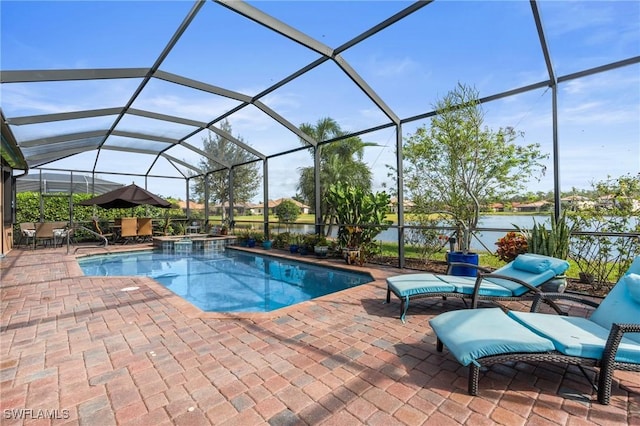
column 86, row 352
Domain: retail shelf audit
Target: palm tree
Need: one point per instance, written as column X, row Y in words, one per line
column 340, row 161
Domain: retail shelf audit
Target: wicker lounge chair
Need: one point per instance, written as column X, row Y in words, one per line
column 519, row 279
column 608, row 339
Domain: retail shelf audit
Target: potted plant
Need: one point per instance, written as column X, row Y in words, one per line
column 554, row 242
column 361, row 216
column 353, row 244
column 266, row 241
column 243, row 238
column 282, row 240
column 307, row 242
column 321, row 246
column 294, row 244
column 254, row 238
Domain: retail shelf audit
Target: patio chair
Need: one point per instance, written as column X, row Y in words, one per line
column 44, row 233
column 98, row 229
column 27, row 233
column 145, row 228
column 518, row 280
column 608, row 339
column 129, row 229
column 60, row 233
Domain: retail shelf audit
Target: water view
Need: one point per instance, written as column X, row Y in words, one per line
column 486, row 238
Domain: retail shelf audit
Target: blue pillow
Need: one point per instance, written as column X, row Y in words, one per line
column 633, row 285
column 535, row 265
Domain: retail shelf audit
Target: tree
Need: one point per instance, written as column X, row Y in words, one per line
column 246, row 178
column 457, row 164
column 287, row 211
column 340, row 161
column 604, row 254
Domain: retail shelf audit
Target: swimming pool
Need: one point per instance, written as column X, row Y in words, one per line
column 230, row 281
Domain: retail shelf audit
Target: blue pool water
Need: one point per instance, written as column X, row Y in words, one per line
column 231, row 281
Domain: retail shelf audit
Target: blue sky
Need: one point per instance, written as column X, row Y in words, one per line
column 491, row 45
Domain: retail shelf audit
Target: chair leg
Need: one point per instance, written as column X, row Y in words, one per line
column 404, row 306
column 605, row 378
column 474, row 377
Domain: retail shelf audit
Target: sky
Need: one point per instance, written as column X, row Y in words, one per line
column 491, row 45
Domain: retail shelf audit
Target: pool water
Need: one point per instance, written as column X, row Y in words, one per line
column 231, row 281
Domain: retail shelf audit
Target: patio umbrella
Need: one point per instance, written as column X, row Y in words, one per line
column 127, row 196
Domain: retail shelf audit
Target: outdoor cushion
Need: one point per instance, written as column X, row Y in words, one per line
column 559, row 266
column 619, row 307
column 576, row 336
column 413, row 284
column 635, row 267
column 486, row 289
column 518, row 289
column 633, row 285
column 471, row 334
column 535, row 265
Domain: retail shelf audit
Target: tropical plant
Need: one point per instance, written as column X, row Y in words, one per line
column 282, row 240
column 457, row 164
column 339, row 161
column 360, row 214
column 552, row 241
column 321, row 240
column 307, row 242
column 511, row 245
column 257, row 236
column 243, row 236
column 295, row 239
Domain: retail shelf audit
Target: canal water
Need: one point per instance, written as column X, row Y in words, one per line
column 496, row 225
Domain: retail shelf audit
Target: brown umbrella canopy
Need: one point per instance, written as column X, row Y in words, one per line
column 127, row 196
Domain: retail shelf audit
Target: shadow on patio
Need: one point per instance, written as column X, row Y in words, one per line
column 82, row 345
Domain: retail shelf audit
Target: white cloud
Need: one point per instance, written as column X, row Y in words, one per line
column 392, row 67
column 566, row 16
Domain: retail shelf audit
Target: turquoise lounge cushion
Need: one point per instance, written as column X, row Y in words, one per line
column 619, row 306
column 576, row 336
column 535, row 265
column 633, row 286
column 530, row 278
column 486, row 289
column 414, row 284
column 471, row 334
column 559, row 266
column 538, row 263
column 635, row 266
